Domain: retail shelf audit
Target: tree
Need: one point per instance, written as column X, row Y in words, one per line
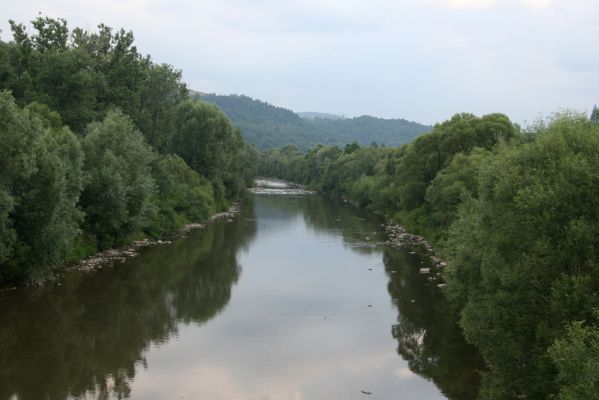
column 83, row 75
column 452, row 184
column 160, row 92
column 205, row 139
column 351, row 147
column 576, row 356
column 39, row 190
column 182, row 196
column 522, row 257
column 429, row 153
column 117, row 197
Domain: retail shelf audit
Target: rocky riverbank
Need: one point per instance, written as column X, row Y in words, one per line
column 114, row 256
column 399, row 237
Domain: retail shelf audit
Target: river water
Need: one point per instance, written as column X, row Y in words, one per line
column 297, row 298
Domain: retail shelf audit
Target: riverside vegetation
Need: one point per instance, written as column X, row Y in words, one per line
column 101, row 146
column 515, row 215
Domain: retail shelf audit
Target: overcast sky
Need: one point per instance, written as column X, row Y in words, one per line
column 423, row 60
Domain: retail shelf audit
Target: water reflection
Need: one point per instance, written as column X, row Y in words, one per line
column 88, row 335
column 360, row 230
column 427, row 333
column 308, row 318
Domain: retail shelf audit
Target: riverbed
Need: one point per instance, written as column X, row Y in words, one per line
column 298, row 297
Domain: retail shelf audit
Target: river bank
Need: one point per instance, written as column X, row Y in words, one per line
column 112, row 256
column 399, row 238
column 397, row 235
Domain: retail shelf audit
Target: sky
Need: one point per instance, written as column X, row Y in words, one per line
column 423, row 60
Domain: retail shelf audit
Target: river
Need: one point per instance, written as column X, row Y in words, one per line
column 297, row 298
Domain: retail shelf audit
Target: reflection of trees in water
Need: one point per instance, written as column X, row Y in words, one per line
column 359, row 229
column 427, row 333
column 88, row 334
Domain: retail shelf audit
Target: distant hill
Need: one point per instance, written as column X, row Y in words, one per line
column 268, row 126
column 318, row 115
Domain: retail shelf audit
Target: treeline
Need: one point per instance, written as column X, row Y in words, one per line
column 100, row 145
column 516, row 215
column 267, row 126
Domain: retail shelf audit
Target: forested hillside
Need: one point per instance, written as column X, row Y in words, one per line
column 267, row 126
column 101, row 145
column 515, row 215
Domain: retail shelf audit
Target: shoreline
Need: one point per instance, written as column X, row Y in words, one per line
column 397, row 235
column 400, row 238
column 120, row 255
column 111, row 257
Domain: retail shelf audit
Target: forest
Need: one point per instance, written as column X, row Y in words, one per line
column 267, row 126
column 101, row 146
column 514, row 213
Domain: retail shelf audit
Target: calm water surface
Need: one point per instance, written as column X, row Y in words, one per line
column 296, row 299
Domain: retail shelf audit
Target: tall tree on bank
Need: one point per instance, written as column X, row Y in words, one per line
column 131, row 185
column 206, row 140
column 83, row 75
column 430, row 153
column 117, row 198
column 39, row 191
column 523, row 255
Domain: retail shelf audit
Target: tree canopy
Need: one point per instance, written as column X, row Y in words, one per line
column 102, row 145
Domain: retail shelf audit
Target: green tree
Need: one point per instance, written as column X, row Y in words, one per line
column 523, row 255
column 39, row 190
column 576, row 356
column 117, row 198
column 183, row 196
column 82, row 75
column 160, row 92
column 71, row 80
column 452, row 184
column 429, row 153
column 209, row 144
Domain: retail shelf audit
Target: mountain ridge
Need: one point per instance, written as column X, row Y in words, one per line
column 268, row 126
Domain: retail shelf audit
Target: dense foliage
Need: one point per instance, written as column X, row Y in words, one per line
column 205, row 139
column 102, row 145
column 39, row 189
column 576, row 356
column 117, row 199
column 524, row 254
column 267, row 126
column 514, row 213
